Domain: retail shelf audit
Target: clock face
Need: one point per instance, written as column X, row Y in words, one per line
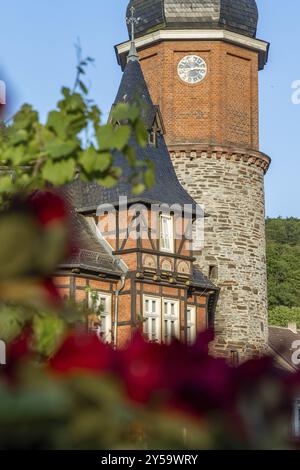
column 192, row 69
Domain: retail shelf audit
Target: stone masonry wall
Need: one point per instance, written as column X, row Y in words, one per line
column 231, row 187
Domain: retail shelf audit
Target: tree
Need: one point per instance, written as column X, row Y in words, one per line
column 71, row 143
column 283, row 260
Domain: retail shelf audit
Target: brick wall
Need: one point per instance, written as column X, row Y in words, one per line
column 222, row 109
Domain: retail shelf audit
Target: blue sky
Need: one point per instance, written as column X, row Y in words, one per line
column 37, row 57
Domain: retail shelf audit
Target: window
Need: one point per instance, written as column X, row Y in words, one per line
column 234, row 358
column 152, row 319
column 191, row 325
column 153, row 138
column 213, row 273
column 166, row 233
column 101, row 323
column 171, row 327
column 297, row 418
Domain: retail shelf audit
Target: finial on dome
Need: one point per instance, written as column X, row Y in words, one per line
column 132, row 21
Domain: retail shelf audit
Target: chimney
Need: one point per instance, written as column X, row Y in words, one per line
column 293, row 327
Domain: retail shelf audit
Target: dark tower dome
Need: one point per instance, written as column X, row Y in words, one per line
column 240, row 16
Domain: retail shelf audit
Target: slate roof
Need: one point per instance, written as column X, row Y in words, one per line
column 200, row 280
column 281, row 341
column 92, row 253
column 88, row 196
column 133, row 89
column 240, row 16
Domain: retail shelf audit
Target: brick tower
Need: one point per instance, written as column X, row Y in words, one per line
column 201, row 60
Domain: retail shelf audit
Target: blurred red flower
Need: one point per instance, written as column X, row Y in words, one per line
column 52, row 295
column 84, row 352
column 48, row 207
column 142, row 368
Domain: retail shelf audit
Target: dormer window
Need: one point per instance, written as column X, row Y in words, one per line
column 153, row 138
column 166, row 233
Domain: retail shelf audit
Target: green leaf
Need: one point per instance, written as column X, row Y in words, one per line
column 87, row 159
column 103, row 161
column 17, row 155
column 25, row 118
column 113, row 138
column 57, row 122
column 138, row 189
column 65, row 91
column 105, row 136
column 116, row 172
column 48, row 332
column 149, row 178
column 58, row 148
column 59, row 173
column 6, row 184
column 121, row 137
column 83, row 87
column 18, row 236
column 141, row 133
column 19, row 137
column 12, row 321
column 124, row 112
column 107, row 181
column 91, row 160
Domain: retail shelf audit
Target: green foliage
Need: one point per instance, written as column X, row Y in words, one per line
column 49, row 331
column 283, row 231
column 282, row 316
column 12, row 321
column 283, row 257
column 283, row 261
column 71, row 142
column 48, row 326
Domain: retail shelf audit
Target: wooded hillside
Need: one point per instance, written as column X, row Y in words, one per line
column 283, row 255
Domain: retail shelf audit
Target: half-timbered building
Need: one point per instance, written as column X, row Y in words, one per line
column 136, row 260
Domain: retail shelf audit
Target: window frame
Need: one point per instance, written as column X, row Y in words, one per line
column 170, row 219
column 153, row 138
column 192, row 324
column 106, row 337
column 148, row 316
column 169, row 317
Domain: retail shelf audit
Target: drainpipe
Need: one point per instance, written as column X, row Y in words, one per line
column 117, row 293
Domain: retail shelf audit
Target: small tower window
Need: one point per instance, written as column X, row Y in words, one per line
column 213, row 273
column 153, row 138
column 234, row 358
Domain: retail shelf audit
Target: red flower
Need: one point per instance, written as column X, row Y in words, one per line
column 198, row 382
column 51, row 292
column 83, row 352
column 142, row 368
column 48, row 207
